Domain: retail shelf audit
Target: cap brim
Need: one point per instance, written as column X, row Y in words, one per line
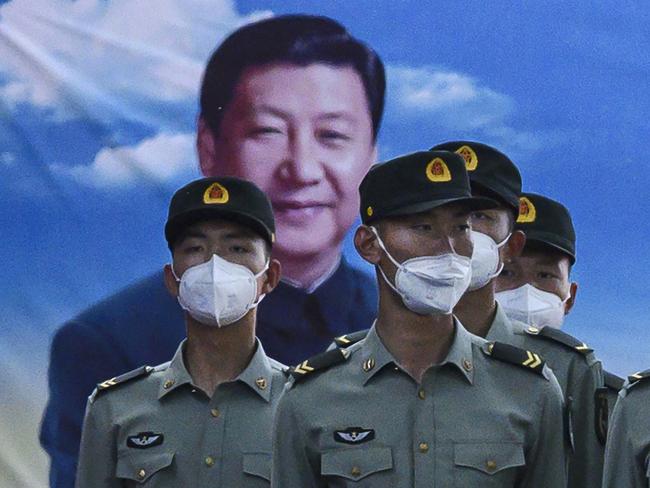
column 535, row 239
column 472, row 203
column 175, row 226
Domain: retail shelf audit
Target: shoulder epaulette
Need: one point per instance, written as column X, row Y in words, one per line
column 612, row 381
column 349, row 339
column 561, row 337
column 319, row 362
column 640, row 376
column 515, row 355
column 126, row 377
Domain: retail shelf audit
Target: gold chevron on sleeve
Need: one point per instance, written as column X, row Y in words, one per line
column 533, row 360
column 303, row 368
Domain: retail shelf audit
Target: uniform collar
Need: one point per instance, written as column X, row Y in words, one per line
column 258, row 375
column 501, row 328
column 375, row 356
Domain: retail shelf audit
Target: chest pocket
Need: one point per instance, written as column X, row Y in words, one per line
column 141, row 467
column 356, row 464
column 258, row 464
column 487, row 464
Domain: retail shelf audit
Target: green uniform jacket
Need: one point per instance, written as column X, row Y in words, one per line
column 474, row 421
column 580, row 375
column 154, row 428
column 627, row 457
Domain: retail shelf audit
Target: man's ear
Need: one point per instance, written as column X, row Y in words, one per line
column 573, row 291
column 273, row 274
column 515, row 245
column 365, row 241
column 206, row 148
column 170, row 280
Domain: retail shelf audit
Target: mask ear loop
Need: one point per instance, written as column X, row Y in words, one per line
column 262, row 295
column 501, row 266
column 381, row 271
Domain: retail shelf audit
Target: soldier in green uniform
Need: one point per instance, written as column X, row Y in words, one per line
column 627, row 457
column 204, row 418
column 498, row 243
column 420, row 401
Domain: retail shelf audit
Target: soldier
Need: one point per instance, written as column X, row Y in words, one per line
column 204, row 418
column 420, row 401
column 498, row 243
column 627, row 457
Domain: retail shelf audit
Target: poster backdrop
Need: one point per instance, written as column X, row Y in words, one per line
column 98, row 105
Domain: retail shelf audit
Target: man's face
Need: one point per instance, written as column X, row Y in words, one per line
column 304, row 136
column 442, row 230
column 495, row 223
column 229, row 240
column 545, row 270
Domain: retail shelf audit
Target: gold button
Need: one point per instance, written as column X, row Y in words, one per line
column 355, row 471
column 421, row 394
column 209, row 461
column 168, row 384
column 141, row 474
column 491, row 465
column 467, row 365
column 261, row 383
column 214, row 412
column 424, row 447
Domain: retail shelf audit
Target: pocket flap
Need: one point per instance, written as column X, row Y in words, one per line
column 140, row 466
column 489, row 457
column 356, row 463
column 258, row 464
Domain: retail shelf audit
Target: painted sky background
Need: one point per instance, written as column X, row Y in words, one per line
column 98, row 101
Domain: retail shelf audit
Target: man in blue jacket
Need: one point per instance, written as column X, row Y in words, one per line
column 293, row 104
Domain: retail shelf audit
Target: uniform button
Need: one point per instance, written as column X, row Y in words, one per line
column 168, row 384
column 209, row 461
column 355, row 471
column 491, row 465
column 421, row 394
column 214, row 412
column 141, row 474
column 424, row 447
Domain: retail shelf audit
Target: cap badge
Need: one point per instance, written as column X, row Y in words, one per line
column 470, row 157
column 437, row 171
column 369, row 211
column 216, row 193
column 527, row 211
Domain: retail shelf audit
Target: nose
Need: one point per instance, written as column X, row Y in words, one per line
column 302, row 163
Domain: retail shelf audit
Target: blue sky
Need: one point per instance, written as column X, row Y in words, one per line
column 97, row 112
column 98, row 117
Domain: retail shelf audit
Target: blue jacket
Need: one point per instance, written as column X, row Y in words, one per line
column 143, row 324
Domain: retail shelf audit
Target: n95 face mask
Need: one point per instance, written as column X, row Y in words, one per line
column 219, row 292
column 485, row 260
column 429, row 284
column 533, row 306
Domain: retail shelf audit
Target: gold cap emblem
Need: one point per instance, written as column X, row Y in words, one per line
column 469, row 155
column 527, row 211
column 437, row 171
column 215, row 193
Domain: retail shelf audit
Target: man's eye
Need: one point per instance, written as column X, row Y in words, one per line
column 264, row 130
column 239, row 249
column 464, row 227
column 507, row 273
column 480, row 216
column 192, row 249
column 333, row 135
column 425, row 227
column 546, row 275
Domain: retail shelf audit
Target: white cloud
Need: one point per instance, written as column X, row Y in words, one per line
column 7, row 159
column 163, row 158
column 108, row 59
column 454, row 103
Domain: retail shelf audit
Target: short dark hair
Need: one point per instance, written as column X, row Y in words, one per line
column 295, row 39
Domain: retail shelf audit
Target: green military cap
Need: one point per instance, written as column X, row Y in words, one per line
column 415, row 183
column 490, row 171
column 546, row 222
column 220, row 197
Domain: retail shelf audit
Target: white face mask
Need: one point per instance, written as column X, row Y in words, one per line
column 218, row 292
column 485, row 260
column 533, row 306
column 429, row 284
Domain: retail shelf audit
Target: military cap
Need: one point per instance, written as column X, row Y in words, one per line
column 416, row 183
column 546, row 222
column 491, row 172
column 224, row 197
